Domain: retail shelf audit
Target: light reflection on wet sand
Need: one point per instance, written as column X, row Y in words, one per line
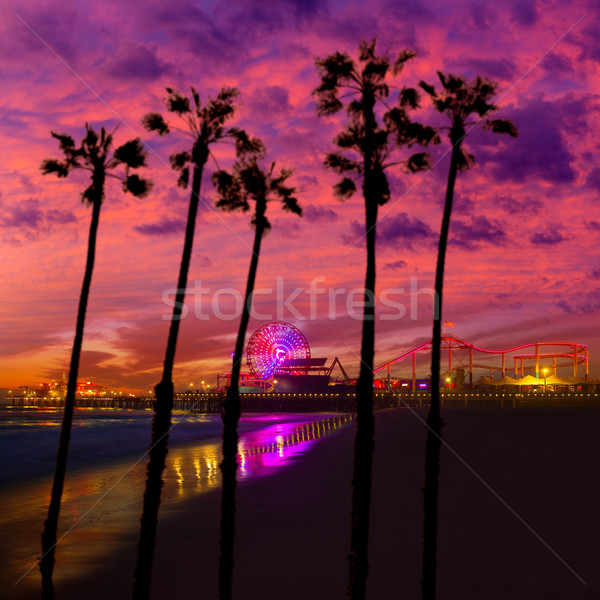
column 101, row 507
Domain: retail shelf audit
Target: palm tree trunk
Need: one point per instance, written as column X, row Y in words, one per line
column 365, row 425
column 51, row 524
column 231, row 418
column 163, row 407
column 434, row 421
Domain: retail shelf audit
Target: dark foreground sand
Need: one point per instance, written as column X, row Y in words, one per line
column 293, row 525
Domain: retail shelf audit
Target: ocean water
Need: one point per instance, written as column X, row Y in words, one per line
column 29, row 438
column 102, row 498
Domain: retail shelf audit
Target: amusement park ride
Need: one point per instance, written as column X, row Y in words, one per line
column 278, row 358
column 463, row 358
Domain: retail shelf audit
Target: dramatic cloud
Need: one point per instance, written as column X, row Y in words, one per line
column 590, row 305
column 395, row 265
column 478, row 230
column 166, row 227
column 271, row 102
column 314, row 214
column 593, row 225
column 542, row 150
column 403, row 231
column 29, row 218
column 524, row 12
column 547, row 238
column 493, row 68
column 593, row 179
column 136, row 61
column 512, row 205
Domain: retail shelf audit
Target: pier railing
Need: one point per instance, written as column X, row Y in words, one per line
column 212, row 402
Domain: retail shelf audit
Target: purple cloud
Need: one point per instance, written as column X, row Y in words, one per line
column 540, row 150
column 271, row 101
column 593, row 225
column 166, row 227
column 479, row 18
column 513, row 205
column 409, row 10
column 314, row 214
column 589, row 305
column 60, row 217
column 495, row 68
column 28, row 217
column 404, row 231
column 136, row 61
column 479, row 230
column 547, row 238
column 556, row 63
column 593, row 179
column 524, row 12
column 395, row 265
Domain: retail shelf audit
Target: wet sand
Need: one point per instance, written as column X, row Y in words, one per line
column 293, row 518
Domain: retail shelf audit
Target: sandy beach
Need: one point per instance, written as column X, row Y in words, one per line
column 518, row 515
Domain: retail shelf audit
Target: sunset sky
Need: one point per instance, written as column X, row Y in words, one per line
column 522, row 264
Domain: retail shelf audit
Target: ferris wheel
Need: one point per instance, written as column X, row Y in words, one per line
column 273, row 343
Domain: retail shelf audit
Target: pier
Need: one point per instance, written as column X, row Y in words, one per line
column 213, row 402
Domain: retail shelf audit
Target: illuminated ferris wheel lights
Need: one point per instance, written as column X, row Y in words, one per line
column 273, row 343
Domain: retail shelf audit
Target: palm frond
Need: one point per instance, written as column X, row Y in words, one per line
column 179, row 160
column 290, row 203
column 380, row 186
column 90, row 195
column 90, row 140
column 366, row 50
column 52, row 165
column 409, row 97
column 405, row 55
column 131, row 153
column 220, row 109
column 177, row 103
column 335, row 69
column 155, row 122
column 184, row 178
column 232, row 196
column 344, row 189
column 418, row 162
column 196, row 97
column 465, row 160
column 339, row 163
column 328, row 104
column 260, row 220
column 429, row 89
column 502, row 126
column 136, row 185
column 65, row 142
column 246, row 145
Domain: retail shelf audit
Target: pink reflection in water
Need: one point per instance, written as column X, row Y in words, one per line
column 101, row 506
column 260, row 452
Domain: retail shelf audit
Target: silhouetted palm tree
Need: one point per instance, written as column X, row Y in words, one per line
column 458, row 100
column 94, row 155
column 205, row 125
column 366, row 150
column 247, row 183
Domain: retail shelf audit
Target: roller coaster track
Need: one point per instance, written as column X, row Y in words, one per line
column 578, row 355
